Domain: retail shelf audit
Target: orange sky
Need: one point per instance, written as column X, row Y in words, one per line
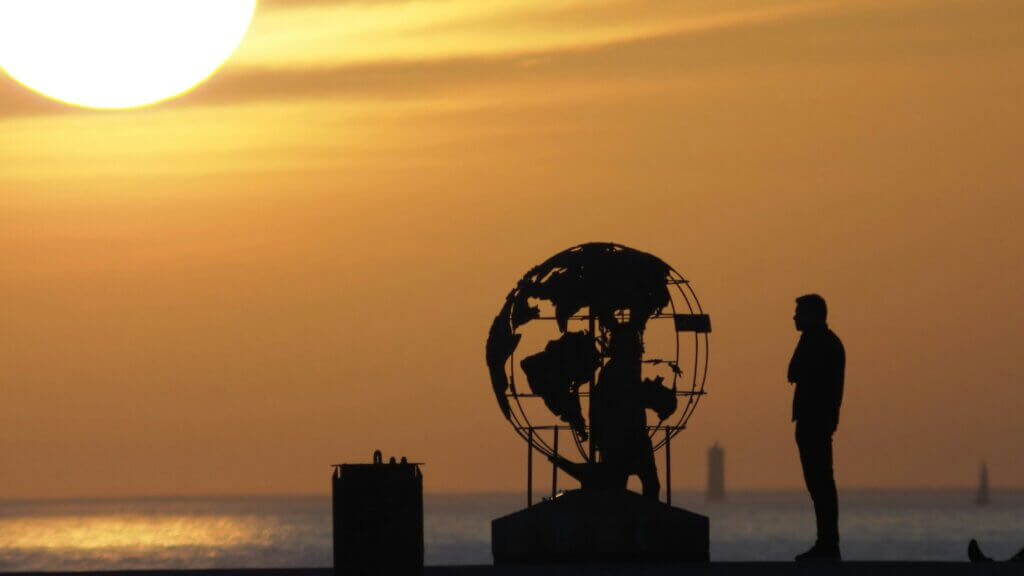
column 298, row 262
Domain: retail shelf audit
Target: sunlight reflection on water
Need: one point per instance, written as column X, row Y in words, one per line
column 294, row 532
column 90, row 533
column 165, row 534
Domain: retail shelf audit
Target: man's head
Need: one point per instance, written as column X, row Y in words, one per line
column 811, row 312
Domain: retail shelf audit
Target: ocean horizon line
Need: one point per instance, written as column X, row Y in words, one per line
column 538, row 494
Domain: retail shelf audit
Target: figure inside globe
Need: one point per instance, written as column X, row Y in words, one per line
column 615, row 291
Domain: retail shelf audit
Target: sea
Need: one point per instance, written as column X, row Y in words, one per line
column 295, row 531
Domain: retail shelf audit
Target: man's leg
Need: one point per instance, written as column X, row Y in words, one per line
column 815, row 447
column 827, row 498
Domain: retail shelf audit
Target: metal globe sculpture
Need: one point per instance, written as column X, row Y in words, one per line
column 607, row 342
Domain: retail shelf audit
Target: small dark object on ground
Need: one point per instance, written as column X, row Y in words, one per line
column 378, row 518
column 974, row 554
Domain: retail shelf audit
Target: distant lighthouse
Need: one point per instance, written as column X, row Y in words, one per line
column 716, row 473
column 983, row 499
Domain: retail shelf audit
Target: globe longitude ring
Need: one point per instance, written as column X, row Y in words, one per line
column 602, row 340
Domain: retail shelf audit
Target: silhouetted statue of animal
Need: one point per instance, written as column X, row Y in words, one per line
column 619, row 417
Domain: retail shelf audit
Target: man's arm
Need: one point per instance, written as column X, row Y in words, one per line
column 836, row 376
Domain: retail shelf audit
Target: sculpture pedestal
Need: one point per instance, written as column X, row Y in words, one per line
column 584, row 526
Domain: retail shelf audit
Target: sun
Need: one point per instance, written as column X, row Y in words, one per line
column 118, row 53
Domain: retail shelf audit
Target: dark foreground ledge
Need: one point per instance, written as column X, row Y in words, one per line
column 696, row 569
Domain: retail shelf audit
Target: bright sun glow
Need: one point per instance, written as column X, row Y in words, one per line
column 118, row 53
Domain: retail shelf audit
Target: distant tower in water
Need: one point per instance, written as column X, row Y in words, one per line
column 716, row 473
column 982, row 499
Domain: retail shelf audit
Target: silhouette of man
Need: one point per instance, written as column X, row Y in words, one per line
column 817, row 369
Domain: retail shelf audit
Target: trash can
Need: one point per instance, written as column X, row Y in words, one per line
column 378, row 517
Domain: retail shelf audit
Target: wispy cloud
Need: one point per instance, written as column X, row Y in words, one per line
column 326, row 34
column 563, row 44
column 622, row 53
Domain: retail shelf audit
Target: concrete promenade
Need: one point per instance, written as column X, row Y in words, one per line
column 702, row 569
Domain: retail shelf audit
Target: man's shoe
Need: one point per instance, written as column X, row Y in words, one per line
column 821, row 552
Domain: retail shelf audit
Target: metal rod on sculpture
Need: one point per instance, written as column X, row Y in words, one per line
column 529, row 470
column 554, row 467
column 668, row 466
column 593, row 386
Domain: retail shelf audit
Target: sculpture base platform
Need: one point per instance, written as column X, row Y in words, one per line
column 590, row 526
